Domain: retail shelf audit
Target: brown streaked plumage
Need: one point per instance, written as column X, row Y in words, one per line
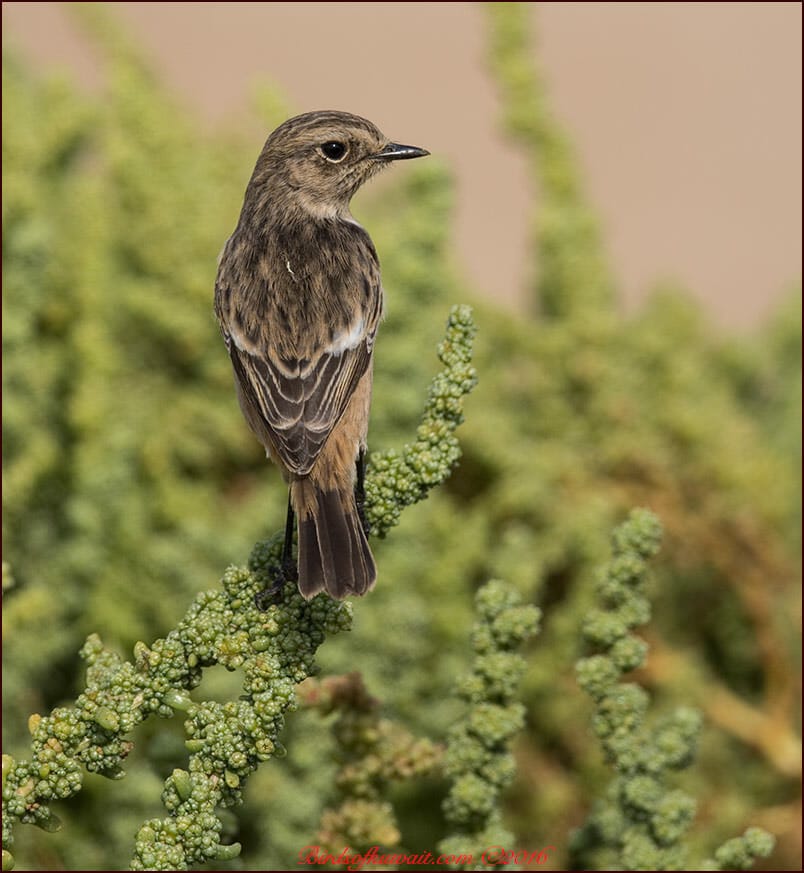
column 298, row 298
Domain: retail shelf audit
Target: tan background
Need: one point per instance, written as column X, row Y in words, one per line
column 686, row 117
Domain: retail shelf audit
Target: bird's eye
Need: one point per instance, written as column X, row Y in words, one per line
column 333, row 150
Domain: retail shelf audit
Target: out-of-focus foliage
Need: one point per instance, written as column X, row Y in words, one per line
column 130, row 479
column 653, row 410
column 372, row 752
column 642, row 822
column 478, row 759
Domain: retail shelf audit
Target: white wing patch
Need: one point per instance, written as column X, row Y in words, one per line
column 241, row 342
column 348, row 339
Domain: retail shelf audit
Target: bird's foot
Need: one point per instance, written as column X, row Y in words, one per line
column 272, row 595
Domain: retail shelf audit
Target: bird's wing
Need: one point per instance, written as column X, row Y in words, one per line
column 301, row 400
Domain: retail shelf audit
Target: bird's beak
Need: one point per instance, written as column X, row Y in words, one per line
column 395, row 151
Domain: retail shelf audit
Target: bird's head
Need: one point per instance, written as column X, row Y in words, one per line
column 318, row 160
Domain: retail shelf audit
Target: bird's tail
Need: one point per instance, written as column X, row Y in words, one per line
column 334, row 554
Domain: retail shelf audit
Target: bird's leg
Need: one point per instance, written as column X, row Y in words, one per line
column 360, row 491
column 287, row 571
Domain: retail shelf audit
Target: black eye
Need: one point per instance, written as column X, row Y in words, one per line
column 333, row 150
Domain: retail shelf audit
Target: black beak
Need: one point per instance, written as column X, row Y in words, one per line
column 395, row 151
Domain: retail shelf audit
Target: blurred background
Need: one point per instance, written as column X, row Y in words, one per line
column 686, row 118
column 614, row 188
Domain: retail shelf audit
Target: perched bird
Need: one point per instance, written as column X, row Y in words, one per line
column 298, row 298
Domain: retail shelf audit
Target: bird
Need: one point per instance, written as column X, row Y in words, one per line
column 298, row 299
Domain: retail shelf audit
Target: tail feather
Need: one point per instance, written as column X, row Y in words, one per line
column 334, row 555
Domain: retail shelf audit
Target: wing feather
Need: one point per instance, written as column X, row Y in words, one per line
column 298, row 401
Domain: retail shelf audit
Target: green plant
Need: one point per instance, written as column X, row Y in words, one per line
column 124, row 451
column 643, row 820
column 478, row 759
